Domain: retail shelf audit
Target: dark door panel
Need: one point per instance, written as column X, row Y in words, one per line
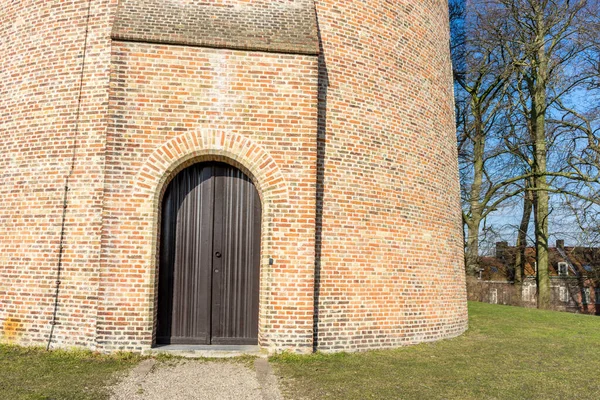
column 237, row 258
column 184, row 273
column 209, row 258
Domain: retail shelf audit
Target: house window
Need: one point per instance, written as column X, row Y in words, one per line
column 494, row 296
column 597, row 294
column 586, row 296
column 563, row 269
column 563, row 294
column 528, row 293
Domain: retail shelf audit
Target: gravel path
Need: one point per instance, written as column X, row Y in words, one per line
column 198, row 380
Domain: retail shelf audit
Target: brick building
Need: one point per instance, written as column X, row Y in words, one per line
column 279, row 172
column 574, row 278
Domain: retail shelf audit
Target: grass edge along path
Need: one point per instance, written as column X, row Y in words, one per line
column 33, row 373
column 507, row 353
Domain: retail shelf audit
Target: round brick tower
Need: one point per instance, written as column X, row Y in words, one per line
column 340, row 121
column 390, row 240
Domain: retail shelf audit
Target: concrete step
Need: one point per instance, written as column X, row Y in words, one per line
column 207, row 351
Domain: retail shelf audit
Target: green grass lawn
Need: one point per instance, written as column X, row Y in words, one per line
column 508, row 353
column 33, row 373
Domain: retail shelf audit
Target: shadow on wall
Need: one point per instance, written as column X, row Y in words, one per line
column 323, row 85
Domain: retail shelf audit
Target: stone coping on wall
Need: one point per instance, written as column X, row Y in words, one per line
column 283, row 27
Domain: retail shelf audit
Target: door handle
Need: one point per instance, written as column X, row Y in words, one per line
column 218, row 255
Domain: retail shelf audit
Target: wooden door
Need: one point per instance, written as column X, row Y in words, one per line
column 209, row 258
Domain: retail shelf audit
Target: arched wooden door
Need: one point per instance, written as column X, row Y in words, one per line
column 209, row 258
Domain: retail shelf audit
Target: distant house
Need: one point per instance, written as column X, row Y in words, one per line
column 574, row 278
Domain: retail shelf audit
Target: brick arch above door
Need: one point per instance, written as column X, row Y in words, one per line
column 212, row 145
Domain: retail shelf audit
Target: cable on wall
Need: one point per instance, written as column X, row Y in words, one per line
column 61, row 245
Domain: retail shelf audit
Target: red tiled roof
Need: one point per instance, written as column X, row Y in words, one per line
column 582, row 261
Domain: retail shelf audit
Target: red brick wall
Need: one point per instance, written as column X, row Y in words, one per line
column 391, row 248
column 375, row 197
column 276, row 26
column 172, row 105
column 41, row 73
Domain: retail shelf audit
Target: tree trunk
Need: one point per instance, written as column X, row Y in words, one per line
column 541, row 245
column 472, row 251
column 538, row 120
column 520, row 259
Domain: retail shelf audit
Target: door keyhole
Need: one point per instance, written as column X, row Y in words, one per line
column 218, row 255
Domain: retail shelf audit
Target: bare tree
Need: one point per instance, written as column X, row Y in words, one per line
column 518, row 65
column 545, row 41
column 482, row 73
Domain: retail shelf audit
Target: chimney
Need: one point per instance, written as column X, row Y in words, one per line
column 560, row 244
column 501, row 250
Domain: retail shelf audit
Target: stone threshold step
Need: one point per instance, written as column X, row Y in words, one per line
column 207, row 351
